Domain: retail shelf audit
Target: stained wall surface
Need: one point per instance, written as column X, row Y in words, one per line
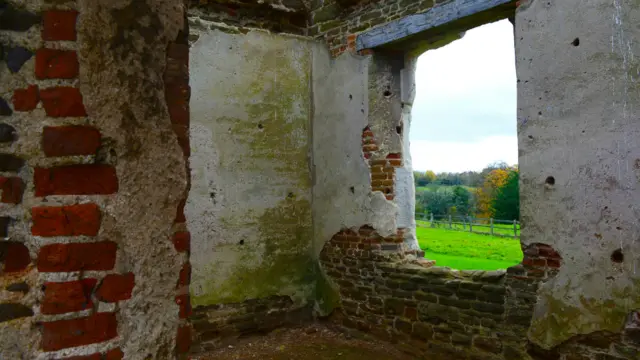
column 577, row 127
column 249, row 209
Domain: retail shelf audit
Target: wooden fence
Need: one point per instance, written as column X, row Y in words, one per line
column 488, row 226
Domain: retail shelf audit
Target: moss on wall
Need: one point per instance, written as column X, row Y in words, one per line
column 264, row 148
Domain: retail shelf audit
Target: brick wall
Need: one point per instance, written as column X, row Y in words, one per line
column 439, row 313
column 71, row 285
column 339, row 22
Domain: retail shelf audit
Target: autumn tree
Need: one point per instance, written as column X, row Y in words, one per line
column 506, row 203
column 495, row 179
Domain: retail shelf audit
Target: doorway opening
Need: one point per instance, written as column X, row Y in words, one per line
column 465, row 151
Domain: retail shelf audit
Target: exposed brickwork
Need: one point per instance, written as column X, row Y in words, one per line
column 65, row 297
column 116, row 287
column 63, row 101
column 64, row 334
column 76, row 180
column 56, row 64
column 70, row 220
column 369, row 145
column 26, row 99
column 382, row 175
column 338, row 24
column 59, row 25
column 77, row 256
column 219, row 325
column 12, row 190
column 14, row 256
column 70, row 140
column 182, row 241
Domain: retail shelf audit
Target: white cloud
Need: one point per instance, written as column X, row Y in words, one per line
column 466, row 101
column 463, row 156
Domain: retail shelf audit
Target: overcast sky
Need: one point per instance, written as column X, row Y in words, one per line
column 464, row 113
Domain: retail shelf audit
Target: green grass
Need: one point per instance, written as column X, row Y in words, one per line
column 467, row 251
column 502, row 229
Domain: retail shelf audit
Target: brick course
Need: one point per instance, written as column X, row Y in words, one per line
column 12, row 190
column 62, row 334
column 56, row 64
column 116, row 287
column 59, row 25
column 77, row 256
column 72, row 220
column 93, row 179
column 26, row 99
column 65, row 297
column 63, row 101
column 70, row 140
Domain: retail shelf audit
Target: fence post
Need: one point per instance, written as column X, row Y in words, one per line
column 470, row 224
column 491, row 223
column 464, row 224
column 450, row 222
column 515, row 229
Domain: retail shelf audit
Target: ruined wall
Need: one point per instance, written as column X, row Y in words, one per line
column 249, row 209
column 437, row 313
column 577, row 128
column 92, row 177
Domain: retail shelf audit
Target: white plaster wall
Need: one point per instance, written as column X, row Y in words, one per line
column 249, row 209
column 342, row 196
column 578, row 122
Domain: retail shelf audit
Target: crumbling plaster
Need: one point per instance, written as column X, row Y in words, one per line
column 577, row 123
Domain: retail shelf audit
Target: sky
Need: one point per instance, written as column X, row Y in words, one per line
column 464, row 112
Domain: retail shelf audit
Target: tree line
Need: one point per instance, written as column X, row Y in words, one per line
column 492, row 192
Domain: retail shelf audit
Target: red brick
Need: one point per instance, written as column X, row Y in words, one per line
column 70, row 140
column 116, row 287
column 26, row 99
column 59, row 25
column 77, row 257
column 62, row 334
column 72, row 220
column 185, row 305
column 177, row 98
column 92, row 179
column 63, row 101
column 182, row 241
column 15, row 256
column 115, row 354
column 183, row 339
column 394, row 156
column 12, row 190
column 185, row 275
column 56, row 64
column 180, row 218
column 65, row 297
column 553, row 263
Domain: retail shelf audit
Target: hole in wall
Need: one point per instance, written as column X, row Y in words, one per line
column 290, row 195
column 241, row 242
column 550, row 180
column 399, row 129
column 352, row 189
column 350, row 97
column 387, row 93
column 617, row 256
column 576, row 42
column 530, row 137
column 260, row 126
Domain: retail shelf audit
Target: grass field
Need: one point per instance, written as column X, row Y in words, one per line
column 436, row 187
column 467, row 251
column 503, row 229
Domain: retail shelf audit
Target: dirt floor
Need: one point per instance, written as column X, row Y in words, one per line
column 309, row 343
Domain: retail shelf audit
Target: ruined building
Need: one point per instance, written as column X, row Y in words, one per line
column 175, row 174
